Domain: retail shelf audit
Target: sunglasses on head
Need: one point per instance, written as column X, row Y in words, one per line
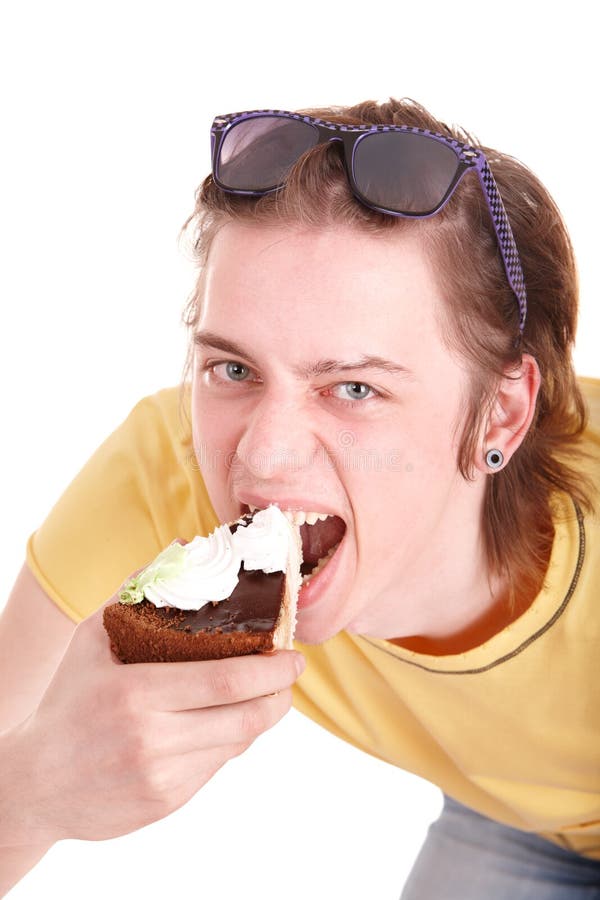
column 394, row 169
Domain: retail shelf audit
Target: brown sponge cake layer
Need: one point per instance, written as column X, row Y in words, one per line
column 244, row 623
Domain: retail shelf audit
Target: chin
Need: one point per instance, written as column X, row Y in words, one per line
column 314, row 634
column 314, row 626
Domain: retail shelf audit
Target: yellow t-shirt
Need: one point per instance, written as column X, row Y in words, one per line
column 510, row 728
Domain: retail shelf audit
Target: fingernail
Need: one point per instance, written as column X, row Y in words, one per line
column 300, row 663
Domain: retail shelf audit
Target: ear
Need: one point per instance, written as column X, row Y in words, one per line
column 511, row 412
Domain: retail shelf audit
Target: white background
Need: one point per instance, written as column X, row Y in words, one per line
column 106, row 110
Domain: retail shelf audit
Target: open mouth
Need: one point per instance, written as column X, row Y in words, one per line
column 321, row 535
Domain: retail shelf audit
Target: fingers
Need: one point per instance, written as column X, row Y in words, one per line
column 177, row 780
column 238, row 725
column 195, row 685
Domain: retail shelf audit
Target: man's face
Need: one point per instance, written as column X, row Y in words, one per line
column 322, row 384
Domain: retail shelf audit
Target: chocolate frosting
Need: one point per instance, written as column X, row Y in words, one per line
column 253, row 606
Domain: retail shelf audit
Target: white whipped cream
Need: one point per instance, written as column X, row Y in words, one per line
column 209, row 572
column 264, row 543
column 206, row 570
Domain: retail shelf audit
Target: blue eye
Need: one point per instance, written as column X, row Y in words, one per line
column 228, row 372
column 356, row 390
column 236, row 371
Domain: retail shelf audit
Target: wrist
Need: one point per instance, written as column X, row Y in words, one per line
column 22, row 829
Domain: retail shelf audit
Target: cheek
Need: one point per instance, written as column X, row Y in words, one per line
column 213, row 429
column 399, row 491
column 431, row 436
column 215, row 439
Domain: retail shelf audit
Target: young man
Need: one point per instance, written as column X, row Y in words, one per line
column 373, row 337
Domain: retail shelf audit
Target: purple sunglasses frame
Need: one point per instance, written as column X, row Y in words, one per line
column 468, row 157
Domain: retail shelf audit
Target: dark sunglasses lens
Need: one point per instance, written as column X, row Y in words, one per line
column 404, row 172
column 256, row 154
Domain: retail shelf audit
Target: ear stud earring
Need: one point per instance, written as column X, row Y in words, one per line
column 494, row 458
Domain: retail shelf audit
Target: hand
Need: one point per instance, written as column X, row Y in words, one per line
column 114, row 747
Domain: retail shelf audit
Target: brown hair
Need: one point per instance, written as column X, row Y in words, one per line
column 481, row 314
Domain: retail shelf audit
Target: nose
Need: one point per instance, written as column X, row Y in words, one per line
column 277, row 440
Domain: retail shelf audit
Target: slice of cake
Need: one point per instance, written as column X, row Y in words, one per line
column 228, row 594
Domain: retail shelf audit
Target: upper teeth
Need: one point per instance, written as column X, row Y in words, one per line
column 299, row 516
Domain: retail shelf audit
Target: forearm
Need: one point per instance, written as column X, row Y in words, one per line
column 21, row 846
column 15, row 862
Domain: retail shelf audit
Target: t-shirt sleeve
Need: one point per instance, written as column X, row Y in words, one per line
column 139, row 491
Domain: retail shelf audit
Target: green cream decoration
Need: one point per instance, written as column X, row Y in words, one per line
column 169, row 563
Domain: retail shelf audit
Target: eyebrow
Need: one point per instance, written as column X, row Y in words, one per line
column 210, row 339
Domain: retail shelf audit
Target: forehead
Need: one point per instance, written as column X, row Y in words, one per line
column 306, row 286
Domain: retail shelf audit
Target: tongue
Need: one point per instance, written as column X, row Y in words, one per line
column 318, row 538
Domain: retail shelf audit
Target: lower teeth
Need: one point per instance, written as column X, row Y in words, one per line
column 321, row 563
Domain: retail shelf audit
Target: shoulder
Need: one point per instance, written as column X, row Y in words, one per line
column 155, row 443
column 140, row 490
column 164, row 414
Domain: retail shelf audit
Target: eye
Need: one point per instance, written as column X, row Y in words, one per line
column 352, row 390
column 228, row 371
column 236, row 371
column 353, row 394
column 227, row 374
